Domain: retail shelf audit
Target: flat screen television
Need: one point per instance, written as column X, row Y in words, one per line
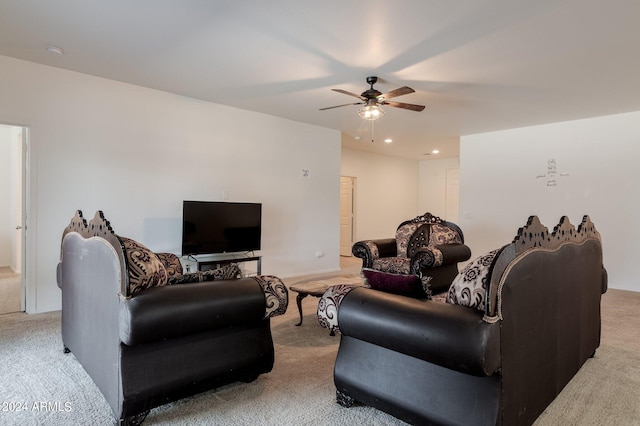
column 210, row 227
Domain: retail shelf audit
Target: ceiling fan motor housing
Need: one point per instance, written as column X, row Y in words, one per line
column 371, row 93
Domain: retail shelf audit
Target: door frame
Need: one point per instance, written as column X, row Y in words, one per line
column 353, row 210
column 26, row 186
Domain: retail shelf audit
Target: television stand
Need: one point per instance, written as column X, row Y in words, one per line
column 219, row 260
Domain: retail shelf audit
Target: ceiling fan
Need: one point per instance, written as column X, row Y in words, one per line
column 372, row 99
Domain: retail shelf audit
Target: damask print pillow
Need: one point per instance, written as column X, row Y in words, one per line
column 230, row 271
column 171, row 263
column 145, row 268
column 441, row 234
column 470, row 285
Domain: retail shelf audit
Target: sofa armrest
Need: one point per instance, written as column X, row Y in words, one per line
column 369, row 250
column 178, row 310
column 445, row 254
column 275, row 293
column 448, row 335
column 454, row 253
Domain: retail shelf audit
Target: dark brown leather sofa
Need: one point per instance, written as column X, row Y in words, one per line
column 500, row 362
column 146, row 345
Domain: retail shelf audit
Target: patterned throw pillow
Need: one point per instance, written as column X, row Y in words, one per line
column 441, row 234
column 230, row 271
column 470, row 285
column 171, row 263
column 405, row 285
column 145, row 269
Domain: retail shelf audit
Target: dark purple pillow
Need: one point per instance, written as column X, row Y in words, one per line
column 406, row 285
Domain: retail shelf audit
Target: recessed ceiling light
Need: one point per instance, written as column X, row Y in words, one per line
column 388, row 140
column 357, row 138
column 55, row 50
column 435, row 151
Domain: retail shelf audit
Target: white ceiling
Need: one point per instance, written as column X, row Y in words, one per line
column 478, row 65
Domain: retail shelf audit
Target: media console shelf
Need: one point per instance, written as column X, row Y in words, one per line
column 224, row 259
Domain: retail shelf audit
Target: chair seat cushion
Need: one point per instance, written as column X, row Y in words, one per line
column 394, row 265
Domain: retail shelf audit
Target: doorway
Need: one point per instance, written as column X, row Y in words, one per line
column 347, row 214
column 13, row 143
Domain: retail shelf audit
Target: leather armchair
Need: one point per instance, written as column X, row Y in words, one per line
column 145, row 333
column 426, row 246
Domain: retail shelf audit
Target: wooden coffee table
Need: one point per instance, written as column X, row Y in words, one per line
column 314, row 289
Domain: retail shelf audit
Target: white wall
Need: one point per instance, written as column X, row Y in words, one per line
column 386, row 192
column 433, row 186
column 137, row 153
column 598, row 158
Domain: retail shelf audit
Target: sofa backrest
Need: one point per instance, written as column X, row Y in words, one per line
column 424, row 231
column 545, row 291
column 100, row 227
column 535, row 239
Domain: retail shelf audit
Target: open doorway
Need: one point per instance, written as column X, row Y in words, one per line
column 347, row 214
column 12, row 261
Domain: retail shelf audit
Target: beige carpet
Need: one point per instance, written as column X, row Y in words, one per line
column 9, row 291
column 299, row 390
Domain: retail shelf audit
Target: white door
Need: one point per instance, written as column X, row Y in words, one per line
column 12, row 144
column 347, row 186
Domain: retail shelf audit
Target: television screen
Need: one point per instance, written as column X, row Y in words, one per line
column 220, row 227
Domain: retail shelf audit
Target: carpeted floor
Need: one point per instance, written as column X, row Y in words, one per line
column 39, row 385
column 9, row 291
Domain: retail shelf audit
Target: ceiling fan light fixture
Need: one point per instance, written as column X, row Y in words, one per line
column 371, row 111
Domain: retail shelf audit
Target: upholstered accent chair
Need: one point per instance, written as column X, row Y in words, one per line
column 146, row 333
column 426, row 246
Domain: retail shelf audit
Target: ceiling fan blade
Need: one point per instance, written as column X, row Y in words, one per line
column 402, row 105
column 338, row 106
column 348, row 93
column 404, row 90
